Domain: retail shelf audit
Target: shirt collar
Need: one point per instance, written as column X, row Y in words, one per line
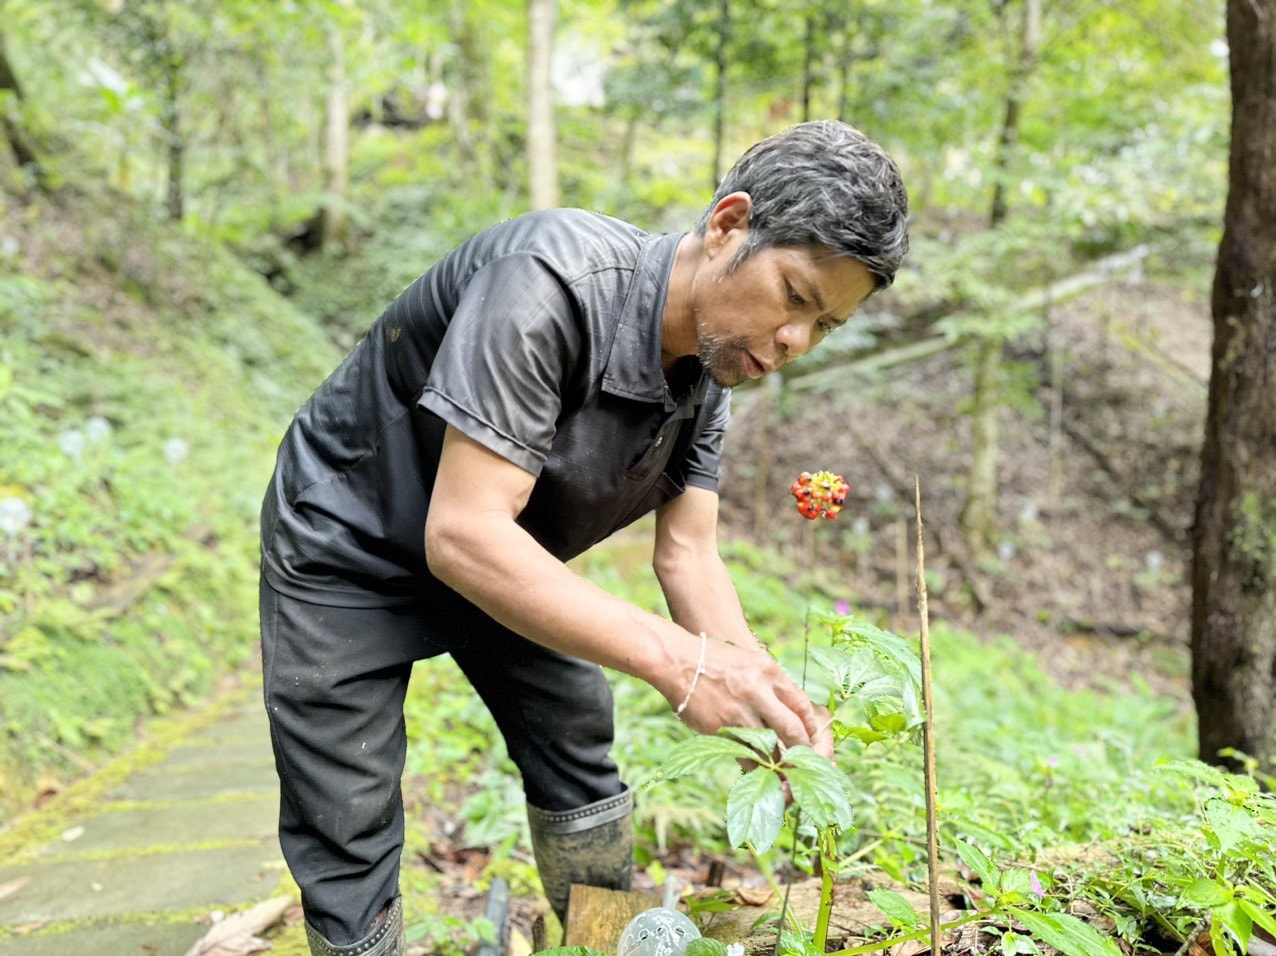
column 633, row 366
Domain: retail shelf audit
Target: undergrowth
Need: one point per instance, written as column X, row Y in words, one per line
column 1064, row 800
column 141, row 398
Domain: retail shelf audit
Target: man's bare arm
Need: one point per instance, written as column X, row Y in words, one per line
column 474, row 545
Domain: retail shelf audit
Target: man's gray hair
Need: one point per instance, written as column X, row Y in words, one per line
column 822, row 183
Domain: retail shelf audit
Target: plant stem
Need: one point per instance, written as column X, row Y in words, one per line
column 784, row 907
column 928, row 734
column 828, row 848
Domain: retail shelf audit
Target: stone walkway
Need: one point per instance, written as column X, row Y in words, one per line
column 190, row 832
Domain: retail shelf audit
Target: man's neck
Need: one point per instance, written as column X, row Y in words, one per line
column 678, row 324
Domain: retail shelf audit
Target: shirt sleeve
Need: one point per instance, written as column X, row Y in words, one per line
column 510, row 347
column 704, row 457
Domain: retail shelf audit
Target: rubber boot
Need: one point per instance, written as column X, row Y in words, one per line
column 386, row 940
column 593, row 845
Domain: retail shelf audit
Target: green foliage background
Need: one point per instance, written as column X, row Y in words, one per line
column 148, row 367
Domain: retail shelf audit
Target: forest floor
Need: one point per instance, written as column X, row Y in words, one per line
column 1095, row 509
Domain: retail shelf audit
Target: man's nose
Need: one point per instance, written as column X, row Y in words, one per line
column 794, row 339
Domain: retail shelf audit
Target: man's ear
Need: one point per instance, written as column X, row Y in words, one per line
column 729, row 218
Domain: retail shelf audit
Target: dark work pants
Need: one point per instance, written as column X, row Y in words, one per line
column 335, row 682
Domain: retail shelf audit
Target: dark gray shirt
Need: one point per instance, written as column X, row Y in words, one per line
column 539, row 339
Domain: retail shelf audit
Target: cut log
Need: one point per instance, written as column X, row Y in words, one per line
column 596, row 917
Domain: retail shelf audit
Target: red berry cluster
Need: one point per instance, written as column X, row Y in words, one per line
column 822, row 493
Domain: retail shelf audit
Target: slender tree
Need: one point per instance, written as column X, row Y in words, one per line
column 1234, row 535
column 720, row 87
column 542, row 162
column 336, row 152
column 978, row 516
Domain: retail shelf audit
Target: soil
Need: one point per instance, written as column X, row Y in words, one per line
column 1095, row 509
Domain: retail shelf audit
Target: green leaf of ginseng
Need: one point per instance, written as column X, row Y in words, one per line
column 694, row 753
column 820, row 788
column 761, row 739
column 890, row 646
column 755, row 809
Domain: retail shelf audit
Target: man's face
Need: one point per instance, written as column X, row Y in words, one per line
column 774, row 306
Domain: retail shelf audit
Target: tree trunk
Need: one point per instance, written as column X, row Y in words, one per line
column 542, row 163
column 466, row 106
column 10, row 98
column 171, row 117
column 720, row 89
column 842, row 27
column 336, row 151
column 1234, row 534
column 808, row 66
column 1019, row 77
column 979, row 513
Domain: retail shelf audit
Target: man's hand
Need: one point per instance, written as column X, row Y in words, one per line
column 742, row 686
column 745, row 687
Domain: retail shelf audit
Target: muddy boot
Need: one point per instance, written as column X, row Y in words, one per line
column 593, row 845
column 386, row 939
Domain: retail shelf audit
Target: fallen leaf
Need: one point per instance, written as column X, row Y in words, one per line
column 236, row 934
column 910, row 947
column 8, row 889
column 752, row 897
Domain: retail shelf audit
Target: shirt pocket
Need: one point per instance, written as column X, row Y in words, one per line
column 653, row 460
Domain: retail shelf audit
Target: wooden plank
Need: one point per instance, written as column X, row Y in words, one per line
column 596, row 917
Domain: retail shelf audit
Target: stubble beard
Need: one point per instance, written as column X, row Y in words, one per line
column 720, row 358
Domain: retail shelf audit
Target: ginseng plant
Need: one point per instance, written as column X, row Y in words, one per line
column 871, row 682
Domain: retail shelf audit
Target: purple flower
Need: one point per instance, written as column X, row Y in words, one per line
column 842, row 607
column 1036, row 883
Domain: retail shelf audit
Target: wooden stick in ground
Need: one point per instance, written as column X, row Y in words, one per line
column 928, row 734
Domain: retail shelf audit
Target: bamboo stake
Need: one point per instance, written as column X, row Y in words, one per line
column 928, row 734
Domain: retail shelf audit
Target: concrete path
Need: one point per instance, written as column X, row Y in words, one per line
column 134, row 868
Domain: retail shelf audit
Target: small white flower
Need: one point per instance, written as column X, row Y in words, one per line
column 71, row 442
column 735, row 949
column 1005, row 550
column 15, row 514
column 97, row 428
column 176, row 450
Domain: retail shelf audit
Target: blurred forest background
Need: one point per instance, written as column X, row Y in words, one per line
column 206, row 202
